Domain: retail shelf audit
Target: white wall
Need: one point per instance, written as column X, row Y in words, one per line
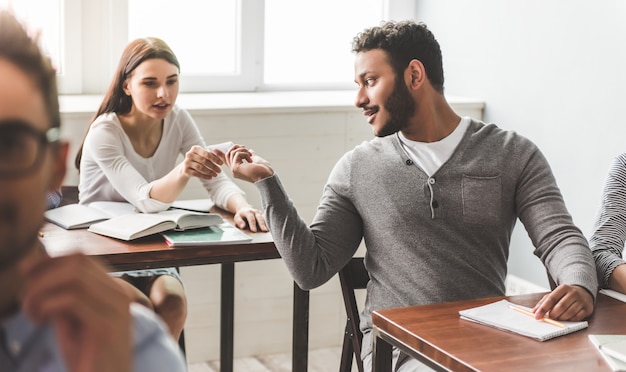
column 551, row 70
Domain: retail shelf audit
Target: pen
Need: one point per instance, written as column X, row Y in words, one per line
column 547, row 320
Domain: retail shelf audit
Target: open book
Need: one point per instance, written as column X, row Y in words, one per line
column 503, row 315
column 219, row 234
column 80, row 216
column 137, row 225
column 612, row 348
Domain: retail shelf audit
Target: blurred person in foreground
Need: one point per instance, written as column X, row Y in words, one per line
column 64, row 313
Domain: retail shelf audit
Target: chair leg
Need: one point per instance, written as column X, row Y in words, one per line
column 181, row 339
column 359, row 362
column 347, row 351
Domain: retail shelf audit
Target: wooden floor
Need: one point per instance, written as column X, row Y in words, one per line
column 320, row 360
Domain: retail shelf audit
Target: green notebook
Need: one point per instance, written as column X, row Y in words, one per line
column 212, row 235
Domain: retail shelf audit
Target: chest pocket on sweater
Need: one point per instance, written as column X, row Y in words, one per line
column 482, row 200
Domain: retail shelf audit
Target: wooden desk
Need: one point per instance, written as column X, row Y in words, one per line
column 152, row 252
column 437, row 336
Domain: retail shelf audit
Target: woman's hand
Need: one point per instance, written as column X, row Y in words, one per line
column 202, row 163
column 249, row 218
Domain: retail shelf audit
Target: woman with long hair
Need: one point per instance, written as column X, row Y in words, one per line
column 130, row 154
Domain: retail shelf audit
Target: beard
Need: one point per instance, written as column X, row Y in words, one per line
column 400, row 106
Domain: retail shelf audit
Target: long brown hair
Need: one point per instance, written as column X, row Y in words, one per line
column 115, row 100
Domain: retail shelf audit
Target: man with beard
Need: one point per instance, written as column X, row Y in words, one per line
column 435, row 197
column 64, row 313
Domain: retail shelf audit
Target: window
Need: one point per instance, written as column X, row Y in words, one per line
column 222, row 45
column 203, row 34
column 213, row 40
column 314, row 48
column 44, row 19
column 35, row 14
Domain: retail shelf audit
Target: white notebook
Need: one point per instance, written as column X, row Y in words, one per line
column 500, row 315
column 81, row 216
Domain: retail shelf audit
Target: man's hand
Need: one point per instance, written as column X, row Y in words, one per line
column 566, row 302
column 88, row 310
column 246, row 165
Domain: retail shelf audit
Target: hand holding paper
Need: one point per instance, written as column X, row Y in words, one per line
column 223, row 147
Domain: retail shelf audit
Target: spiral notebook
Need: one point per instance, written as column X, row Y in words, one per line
column 504, row 316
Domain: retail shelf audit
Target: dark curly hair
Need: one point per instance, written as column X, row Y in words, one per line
column 404, row 41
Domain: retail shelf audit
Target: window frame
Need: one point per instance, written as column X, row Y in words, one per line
column 95, row 32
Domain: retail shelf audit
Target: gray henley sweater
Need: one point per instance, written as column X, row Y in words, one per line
column 431, row 239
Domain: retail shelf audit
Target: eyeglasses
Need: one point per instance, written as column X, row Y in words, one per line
column 22, row 147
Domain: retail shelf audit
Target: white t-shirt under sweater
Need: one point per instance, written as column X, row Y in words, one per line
column 431, row 155
column 111, row 170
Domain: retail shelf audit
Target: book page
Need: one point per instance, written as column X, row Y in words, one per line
column 113, row 209
column 132, row 226
column 616, row 349
column 198, row 205
column 599, row 340
column 191, row 220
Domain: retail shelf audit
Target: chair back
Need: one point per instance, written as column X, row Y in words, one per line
column 69, row 195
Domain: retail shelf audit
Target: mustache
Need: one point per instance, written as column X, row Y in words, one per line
column 364, row 107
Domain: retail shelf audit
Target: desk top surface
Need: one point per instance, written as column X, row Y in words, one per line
column 152, row 251
column 437, row 332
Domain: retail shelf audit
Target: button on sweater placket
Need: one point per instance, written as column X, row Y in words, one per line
column 433, row 202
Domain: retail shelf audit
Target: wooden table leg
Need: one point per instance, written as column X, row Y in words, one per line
column 300, row 341
column 227, row 315
column 381, row 354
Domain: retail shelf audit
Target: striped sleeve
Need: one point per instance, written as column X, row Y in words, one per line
column 607, row 241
